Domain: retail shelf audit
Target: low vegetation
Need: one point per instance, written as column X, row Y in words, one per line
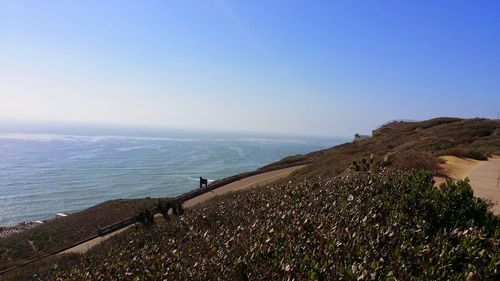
column 373, row 225
column 410, row 159
column 471, row 153
column 63, row 232
column 341, row 217
column 470, row 138
column 146, row 218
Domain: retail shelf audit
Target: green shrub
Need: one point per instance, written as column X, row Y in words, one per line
column 164, row 207
column 410, row 159
column 463, row 153
column 64, row 232
column 146, row 218
column 380, row 225
column 474, row 154
column 177, row 208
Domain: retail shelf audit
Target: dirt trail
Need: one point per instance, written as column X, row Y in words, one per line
column 484, row 176
column 485, row 180
column 242, row 184
column 456, row 168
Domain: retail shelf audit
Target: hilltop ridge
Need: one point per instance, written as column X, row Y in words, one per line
column 472, row 138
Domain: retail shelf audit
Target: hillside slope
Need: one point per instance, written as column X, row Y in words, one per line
column 60, row 233
column 417, row 144
column 365, row 226
column 324, row 222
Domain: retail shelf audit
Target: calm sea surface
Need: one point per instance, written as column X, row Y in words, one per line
column 42, row 174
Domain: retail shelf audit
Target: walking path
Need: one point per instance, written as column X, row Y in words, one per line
column 253, row 181
column 245, row 183
column 484, row 176
column 485, row 181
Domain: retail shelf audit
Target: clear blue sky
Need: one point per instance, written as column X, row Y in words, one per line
column 302, row 67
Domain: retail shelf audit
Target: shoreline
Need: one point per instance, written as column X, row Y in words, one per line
column 90, row 169
column 8, row 230
column 234, row 186
column 230, row 184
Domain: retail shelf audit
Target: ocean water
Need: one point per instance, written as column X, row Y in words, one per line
column 43, row 174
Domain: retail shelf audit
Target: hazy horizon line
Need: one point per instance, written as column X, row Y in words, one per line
column 135, row 130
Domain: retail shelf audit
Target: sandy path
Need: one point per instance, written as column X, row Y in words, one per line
column 456, row 168
column 484, row 176
column 242, row 184
column 84, row 247
column 485, row 180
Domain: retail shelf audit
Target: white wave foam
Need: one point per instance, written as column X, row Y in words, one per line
column 138, row 147
column 90, row 138
column 82, row 138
